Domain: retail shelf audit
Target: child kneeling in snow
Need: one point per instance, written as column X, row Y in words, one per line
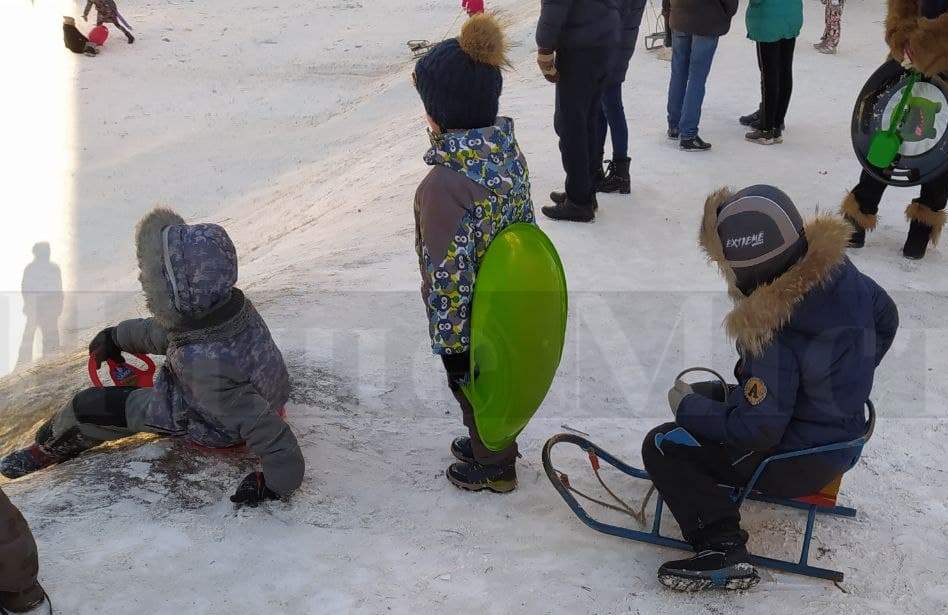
column 810, row 330
column 478, row 186
column 223, row 382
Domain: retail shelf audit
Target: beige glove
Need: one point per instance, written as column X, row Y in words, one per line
column 546, row 60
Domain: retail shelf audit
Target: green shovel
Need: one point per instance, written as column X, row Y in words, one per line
column 885, row 145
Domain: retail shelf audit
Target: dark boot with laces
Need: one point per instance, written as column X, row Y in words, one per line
column 573, row 212
column 45, row 452
column 462, row 450
column 476, row 477
column 617, row 177
column 718, row 565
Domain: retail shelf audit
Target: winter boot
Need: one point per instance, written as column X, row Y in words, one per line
column 617, row 178
column 764, row 137
column 719, row 566
column 476, row 477
column 925, row 227
column 45, row 452
column 673, row 134
column 462, row 450
column 696, row 144
column 860, row 221
column 568, row 210
column 752, row 120
column 825, row 48
column 24, row 601
column 560, row 197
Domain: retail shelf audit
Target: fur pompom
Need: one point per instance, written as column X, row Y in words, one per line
column 482, row 38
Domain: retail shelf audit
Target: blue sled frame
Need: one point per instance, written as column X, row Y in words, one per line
column 740, row 496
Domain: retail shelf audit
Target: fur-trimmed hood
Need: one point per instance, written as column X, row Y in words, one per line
column 186, row 271
column 757, row 318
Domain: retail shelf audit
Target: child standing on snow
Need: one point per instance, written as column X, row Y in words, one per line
column 916, row 30
column 478, row 185
column 223, row 382
column 810, row 330
column 107, row 12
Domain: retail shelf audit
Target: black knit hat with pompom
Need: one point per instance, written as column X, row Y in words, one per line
column 460, row 79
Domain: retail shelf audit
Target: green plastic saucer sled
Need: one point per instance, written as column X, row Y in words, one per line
column 518, row 327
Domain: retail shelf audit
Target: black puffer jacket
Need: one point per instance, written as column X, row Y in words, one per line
column 631, row 21
column 700, row 17
column 579, row 24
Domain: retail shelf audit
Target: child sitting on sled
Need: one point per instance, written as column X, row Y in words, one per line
column 223, row 382
column 478, row 185
column 810, row 331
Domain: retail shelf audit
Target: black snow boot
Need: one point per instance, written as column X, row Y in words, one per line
column 718, row 564
column 858, row 238
column 752, row 120
column 916, row 243
column 24, row 601
column 477, row 477
column 45, row 452
column 462, row 450
column 568, row 210
column 560, row 197
column 617, row 177
column 764, row 137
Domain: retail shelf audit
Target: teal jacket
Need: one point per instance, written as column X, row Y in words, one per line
column 769, row 21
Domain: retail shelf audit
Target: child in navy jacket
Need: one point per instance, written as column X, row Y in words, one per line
column 810, row 331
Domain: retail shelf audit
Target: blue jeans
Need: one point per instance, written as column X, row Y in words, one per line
column 612, row 116
column 691, row 62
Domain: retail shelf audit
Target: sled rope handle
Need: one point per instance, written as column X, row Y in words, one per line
column 623, row 507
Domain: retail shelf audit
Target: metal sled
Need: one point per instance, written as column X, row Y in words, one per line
column 823, row 502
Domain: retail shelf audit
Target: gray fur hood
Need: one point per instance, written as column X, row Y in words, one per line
column 187, row 271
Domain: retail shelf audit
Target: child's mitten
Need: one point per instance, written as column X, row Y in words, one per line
column 103, row 347
column 253, row 490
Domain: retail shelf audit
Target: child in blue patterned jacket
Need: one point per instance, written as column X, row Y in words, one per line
column 478, row 185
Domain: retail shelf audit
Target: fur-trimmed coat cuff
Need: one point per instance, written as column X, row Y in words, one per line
column 919, row 212
column 929, row 44
column 850, row 209
column 901, row 21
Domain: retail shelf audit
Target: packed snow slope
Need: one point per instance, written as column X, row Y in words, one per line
column 295, row 125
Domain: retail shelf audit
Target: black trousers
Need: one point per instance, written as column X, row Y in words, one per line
column 776, row 81
column 869, row 191
column 689, row 478
column 583, row 74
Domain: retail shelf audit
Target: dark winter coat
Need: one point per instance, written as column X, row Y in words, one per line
column 74, row 40
column 922, row 24
column 809, row 344
column 632, row 11
column 700, row 17
column 579, row 24
column 224, row 380
column 18, row 561
column 478, row 186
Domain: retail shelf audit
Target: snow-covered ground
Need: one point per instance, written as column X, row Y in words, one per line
column 295, row 125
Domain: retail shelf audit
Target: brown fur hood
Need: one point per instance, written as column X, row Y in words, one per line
column 757, row 318
column 928, row 38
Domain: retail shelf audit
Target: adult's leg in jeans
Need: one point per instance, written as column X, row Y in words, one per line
column 787, row 46
column 482, row 454
column 618, row 125
column 868, row 193
column 768, row 56
column 681, row 58
column 702, row 56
